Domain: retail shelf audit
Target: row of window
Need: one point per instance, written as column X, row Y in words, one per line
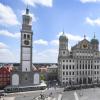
column 68, row 66
column 84, row 61
column 68, row 78
column 97, row 61
column 81, row 73
column 87, row 66
column 68, row 73
column 67, row 60
column 27, row 36
column 89, row 52
column 81, row 61
column 84, row 57
column 84, row 66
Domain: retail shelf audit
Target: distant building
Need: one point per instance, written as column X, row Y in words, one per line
column 49, row 70
column 52, row 72
column 80, row 65
column 5, row 72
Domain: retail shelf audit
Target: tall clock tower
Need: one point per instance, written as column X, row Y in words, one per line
column 26, row 42
column 24, row 74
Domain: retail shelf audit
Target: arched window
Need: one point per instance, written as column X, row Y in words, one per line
column 15, row 79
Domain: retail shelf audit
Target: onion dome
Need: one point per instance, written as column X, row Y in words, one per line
column 63, row 37
column 94, row 41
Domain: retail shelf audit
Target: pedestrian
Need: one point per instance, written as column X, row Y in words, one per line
column 50, row 94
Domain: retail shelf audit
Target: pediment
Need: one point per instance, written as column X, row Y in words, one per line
column 84, row 44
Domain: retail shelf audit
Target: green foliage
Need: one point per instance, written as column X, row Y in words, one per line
column 42, row 77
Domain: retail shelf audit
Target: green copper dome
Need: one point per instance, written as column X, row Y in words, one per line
column 63, row 37
column 94, row 40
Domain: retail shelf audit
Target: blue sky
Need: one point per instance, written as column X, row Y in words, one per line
column 50, row 18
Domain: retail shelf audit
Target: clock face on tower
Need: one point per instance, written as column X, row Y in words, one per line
column 26, row 42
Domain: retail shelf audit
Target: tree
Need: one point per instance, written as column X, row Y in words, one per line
column 42, row 77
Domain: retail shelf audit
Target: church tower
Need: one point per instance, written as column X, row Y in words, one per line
column 63, row 45
column 95, row 44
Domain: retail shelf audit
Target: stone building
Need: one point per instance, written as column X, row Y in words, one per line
column 80, row 65
column 52, row 71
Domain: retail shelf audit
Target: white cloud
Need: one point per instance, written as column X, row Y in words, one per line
column 47, row 3
column 71, row 37
column 9, row 34
column 93, row 21
column 46, row 56
column 89, row 1
column 54, row 42
column 41, row 42
column 3, row 46
column 7, row 16
column 5, row 54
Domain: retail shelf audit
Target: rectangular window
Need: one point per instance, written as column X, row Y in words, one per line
column 73, row 66
column 88, row 66
column 83, row 66
column 77, row 66
column 28, row 36
column 24, row 36
column 66, row 73
column 69, row 66
column 80, row 66
column 91, row 66
column 63, row 73
column 63, row 66
column 66, row 66
column 95, row 67
column 63, row 52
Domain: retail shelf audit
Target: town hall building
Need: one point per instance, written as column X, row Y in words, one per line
column 80, row 65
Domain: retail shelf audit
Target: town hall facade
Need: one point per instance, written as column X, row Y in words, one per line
column 80, row 65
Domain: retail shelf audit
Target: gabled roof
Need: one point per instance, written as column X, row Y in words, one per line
column 80, row 44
